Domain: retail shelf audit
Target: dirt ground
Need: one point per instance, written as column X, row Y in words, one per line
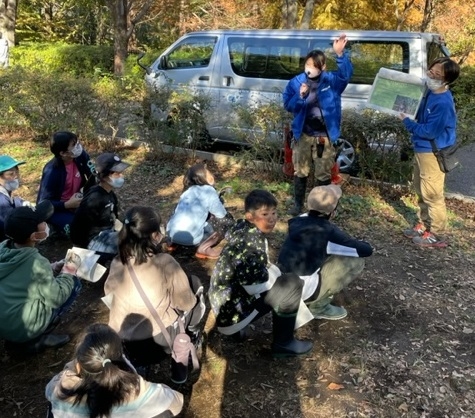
column 406, row 348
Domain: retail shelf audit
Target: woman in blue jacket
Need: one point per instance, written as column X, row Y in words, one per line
column 436, row 120
column 314, row 98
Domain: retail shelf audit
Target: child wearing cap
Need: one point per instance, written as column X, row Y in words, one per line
column 64, row 179
column 327, row 258
column 31, row 297
column 94, row 225
column 9, row 182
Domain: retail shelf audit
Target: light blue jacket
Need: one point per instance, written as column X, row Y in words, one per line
column 331, row 86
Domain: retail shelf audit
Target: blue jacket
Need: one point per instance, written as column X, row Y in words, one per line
column 331, row 86
column 54, row 178
column 436, row 119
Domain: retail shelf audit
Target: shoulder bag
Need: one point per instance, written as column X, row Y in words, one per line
column 182, row 347
column 446, row 156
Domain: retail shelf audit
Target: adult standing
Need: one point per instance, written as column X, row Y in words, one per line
column 63, row 178
column 436, row 120
column 314, row 98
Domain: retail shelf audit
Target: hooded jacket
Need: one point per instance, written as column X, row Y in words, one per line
column 311, row 240
column 29, row 292
column 330, row 87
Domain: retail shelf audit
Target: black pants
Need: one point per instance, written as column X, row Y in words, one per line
column 283, row 298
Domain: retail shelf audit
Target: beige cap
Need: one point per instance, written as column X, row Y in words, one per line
column 324, row 199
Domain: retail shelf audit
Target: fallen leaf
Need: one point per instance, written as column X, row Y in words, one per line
column 335, row 386
column 467, row 331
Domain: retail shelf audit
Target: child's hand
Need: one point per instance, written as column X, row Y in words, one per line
column 57, row 266
column 71, row 263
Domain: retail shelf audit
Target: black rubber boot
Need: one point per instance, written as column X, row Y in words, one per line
column 300, row 187
column 284, row 344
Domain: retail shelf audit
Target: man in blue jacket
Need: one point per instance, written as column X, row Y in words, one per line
column 314, row 98
column 324, row 256
column 64, row 178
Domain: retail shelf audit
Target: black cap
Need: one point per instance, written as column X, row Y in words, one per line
column 23, row 221
column 108, row 163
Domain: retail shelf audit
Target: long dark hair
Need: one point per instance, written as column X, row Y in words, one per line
column 135, row 237
column 107, row 380
column 195, row 176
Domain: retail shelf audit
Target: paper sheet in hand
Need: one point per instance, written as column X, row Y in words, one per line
column 89, row 269
column 394, row 92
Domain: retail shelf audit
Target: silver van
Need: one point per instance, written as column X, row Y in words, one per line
column 252, row 67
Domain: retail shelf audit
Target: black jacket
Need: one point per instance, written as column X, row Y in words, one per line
column 311, row 239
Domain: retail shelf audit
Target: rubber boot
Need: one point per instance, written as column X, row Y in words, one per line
column 300, row 186
column 206, row 250
column 284, row 344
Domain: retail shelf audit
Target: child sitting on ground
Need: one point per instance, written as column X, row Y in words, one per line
column 198, row 209
column 242, row 286
column 101, row 382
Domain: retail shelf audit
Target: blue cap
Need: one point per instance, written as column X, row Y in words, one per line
column 7, row 163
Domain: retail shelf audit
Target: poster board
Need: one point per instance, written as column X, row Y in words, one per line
column 394, row 92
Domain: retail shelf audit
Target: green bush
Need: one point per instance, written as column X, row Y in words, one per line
column 79, row 60
column 464, row 95
column 382, row 144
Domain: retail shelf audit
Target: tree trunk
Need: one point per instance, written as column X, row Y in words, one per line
column 289, row 14
column 119, row 12
column 8, row 20
column 307, row 14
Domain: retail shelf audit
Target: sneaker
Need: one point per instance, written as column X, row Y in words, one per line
column 428, row 239
column 331, row 312
column 416, row 231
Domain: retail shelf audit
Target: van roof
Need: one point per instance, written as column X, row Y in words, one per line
column 329, row 33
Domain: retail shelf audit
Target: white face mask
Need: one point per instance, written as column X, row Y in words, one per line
column 77, row 150
column 11, row 185
column 312, row 72
column 433, row 84
column 46, row 232
column 116, row 182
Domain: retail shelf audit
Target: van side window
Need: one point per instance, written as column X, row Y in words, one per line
column 191, row 53
column 369, row 56
column 272, row 58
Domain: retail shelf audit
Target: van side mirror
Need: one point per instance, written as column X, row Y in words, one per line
column 163, row 62
column 146, row 69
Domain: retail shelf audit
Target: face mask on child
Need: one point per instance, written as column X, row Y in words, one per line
column 76, row 151
column 116, row 182
column 46, row 232
column 11, row 185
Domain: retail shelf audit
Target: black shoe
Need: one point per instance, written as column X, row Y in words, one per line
column 292, row 348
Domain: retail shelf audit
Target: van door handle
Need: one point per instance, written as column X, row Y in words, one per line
column 204, row 78
column 227, row 80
